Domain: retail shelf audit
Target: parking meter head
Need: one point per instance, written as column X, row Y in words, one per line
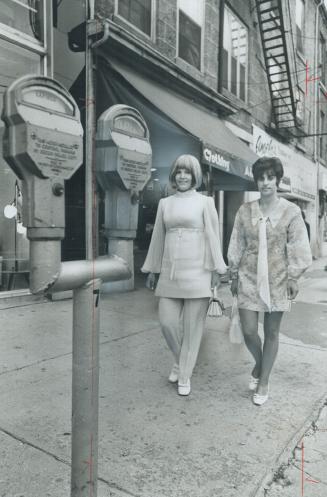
column 43, row 144
column 124, row 154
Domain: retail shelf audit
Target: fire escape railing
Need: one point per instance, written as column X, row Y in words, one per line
column 275, row 51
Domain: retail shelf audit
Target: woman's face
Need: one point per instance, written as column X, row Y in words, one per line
column 267, row 183
column 183, row 179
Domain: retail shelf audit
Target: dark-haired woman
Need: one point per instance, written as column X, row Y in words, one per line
column 268, row 252
column 185, row 251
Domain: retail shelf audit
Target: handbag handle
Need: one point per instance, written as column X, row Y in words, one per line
column 214, row 292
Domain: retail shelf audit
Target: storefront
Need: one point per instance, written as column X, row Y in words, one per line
column 25, row 48
column 299, row 184
column 177, row 126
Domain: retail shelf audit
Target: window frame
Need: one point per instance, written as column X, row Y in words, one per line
column 229, row 57
column 178, row 57
column 152, row 35
column 322, row 59
column 42, row 48
column 300, row 50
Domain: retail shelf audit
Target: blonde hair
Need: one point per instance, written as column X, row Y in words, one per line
column 190, row 163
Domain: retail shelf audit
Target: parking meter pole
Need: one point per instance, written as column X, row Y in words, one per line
column 85, row 386
column 45, row 263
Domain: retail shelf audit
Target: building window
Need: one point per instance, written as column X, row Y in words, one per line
column 322, row 59
column 235, row 55
column 190, row 24
column 137, row 12
column 299, row 20
column 24, row 16
column 322, row 138
column 299, row 99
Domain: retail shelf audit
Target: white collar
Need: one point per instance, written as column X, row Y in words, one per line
column 274, row 217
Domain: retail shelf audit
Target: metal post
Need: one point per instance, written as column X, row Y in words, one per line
column 90, row 204
column 85, row 390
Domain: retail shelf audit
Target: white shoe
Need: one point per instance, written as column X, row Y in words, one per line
column 253, row 383
column 184, row 388
column 173, row 377
column 258, row 399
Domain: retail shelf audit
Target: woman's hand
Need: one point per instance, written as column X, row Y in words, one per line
column 234, row 287
column 151, row 281
column 215, row 280
column 292, row 289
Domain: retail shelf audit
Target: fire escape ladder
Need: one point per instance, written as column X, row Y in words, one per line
column 274, row 44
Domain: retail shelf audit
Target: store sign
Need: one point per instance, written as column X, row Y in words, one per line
column 300, row 174
column 216, row 159
column 226, row 162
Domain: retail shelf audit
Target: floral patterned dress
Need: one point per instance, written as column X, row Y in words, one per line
column 288, row 250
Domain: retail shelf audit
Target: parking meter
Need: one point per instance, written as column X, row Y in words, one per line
column 43, row 144
column 124, row 159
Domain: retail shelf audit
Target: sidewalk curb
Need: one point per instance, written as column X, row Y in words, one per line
column 287, row 454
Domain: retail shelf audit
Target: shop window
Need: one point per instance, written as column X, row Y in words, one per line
column 137, row 12
column 235, row 55
column 190, row 23
column 15, row 61
column 24, row 16
column 299, row 21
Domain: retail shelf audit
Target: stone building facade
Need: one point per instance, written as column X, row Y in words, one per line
column 210, row 55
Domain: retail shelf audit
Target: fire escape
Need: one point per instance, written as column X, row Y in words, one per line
column 277, row 63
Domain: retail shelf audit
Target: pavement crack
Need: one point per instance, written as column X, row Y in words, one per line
column 117, row 339
column 23, row 440
column 34, row 363
column 310, row 475
column 36, row 447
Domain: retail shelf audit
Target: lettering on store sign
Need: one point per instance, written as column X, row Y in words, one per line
column 216, row 158
column 265, row 147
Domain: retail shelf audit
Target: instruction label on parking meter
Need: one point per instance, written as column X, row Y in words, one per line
column 54, row 154
column 134, row 173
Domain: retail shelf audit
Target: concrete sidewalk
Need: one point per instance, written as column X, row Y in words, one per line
column 153, row 443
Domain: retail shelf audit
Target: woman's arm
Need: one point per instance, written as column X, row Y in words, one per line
column 235, row 250
column 299, row 256
column 211, row 222
column 153, row 261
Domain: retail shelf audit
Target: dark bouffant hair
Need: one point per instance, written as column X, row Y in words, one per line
column 268, row 163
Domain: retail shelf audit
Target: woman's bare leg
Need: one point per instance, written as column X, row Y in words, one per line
column 249, row 322
column 271, row 328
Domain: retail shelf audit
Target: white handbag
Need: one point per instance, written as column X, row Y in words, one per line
column 216, row 306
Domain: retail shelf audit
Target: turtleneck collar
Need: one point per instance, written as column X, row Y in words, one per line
column 188, row 193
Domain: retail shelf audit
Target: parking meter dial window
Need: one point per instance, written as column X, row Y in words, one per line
column 129, row 125
column 47, row 99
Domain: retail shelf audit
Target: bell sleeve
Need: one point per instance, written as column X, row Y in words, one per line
column 236, row 244
column 213, row 247
column 153, row 260
column 299, row 256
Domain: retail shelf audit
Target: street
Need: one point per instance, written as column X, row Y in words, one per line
column 151, row 441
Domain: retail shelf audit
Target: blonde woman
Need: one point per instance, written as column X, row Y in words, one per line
column 185, row 253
